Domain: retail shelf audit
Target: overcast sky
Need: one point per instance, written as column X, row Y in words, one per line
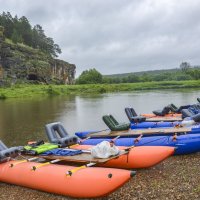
column 117, row 36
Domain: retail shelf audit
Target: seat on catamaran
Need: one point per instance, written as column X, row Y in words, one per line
column 114, row 125
column 133, row 117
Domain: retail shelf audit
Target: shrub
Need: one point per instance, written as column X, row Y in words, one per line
column 2, row 96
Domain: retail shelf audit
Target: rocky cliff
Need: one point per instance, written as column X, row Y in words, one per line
column 20, row 62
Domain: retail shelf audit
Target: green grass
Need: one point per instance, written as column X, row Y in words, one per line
column 26, row 47
column 22, row 91
column 9, row 41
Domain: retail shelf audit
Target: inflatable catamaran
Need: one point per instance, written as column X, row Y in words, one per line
column 87, row 177
column 185, row 134
column 129, row 158
column 168, row 113
column 82, row 181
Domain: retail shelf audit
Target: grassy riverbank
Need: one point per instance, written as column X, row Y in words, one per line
column 21, row 91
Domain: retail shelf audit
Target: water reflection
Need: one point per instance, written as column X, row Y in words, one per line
column 23, row 120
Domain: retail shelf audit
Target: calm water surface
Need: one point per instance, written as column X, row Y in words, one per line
column 24, row 120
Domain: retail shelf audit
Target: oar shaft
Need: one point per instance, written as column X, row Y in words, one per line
column 23, row 161
column 70, row 149
column 77, row 168
column 81, row 141
column 138, row 139
column 44, row 164
column 72, row 171
column 128, row 148
column 114, row 139
column 54, row 161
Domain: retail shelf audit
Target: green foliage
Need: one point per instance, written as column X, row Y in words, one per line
column 183, row 77
column 6, row 21
column 1, row 31
column 194, row 72
column 2, row 96
column 131, row 79
column 52, row 91
column 19, row 30
column 16, row 37
column 25, row 90
column 185, row 66
column 111, row 80
column 146, row 77
column 44, row 43
column 177, row 75
column 91, row 76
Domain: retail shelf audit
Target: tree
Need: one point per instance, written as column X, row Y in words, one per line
column 185, row 66
column 133, row 78
column 146, row 77
column 46, row 44
column 16, row 37
column 6, row 21
column 20, row 30
column 57, row 49
column 91, row 76
column 25, row 29
column 194, row 73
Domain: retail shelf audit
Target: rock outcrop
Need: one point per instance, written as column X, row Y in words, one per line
column 20, row 62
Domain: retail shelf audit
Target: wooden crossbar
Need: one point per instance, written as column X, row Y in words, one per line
column 163, row 119
column 137, row 132
column 84, row 157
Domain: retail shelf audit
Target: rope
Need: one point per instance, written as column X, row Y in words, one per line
column 155, row 140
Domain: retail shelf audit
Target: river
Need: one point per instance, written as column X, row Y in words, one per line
column 22, row 120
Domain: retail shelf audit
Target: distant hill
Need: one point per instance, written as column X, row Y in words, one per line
column 150, row 72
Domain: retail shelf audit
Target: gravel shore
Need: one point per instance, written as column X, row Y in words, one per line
column 176, row 178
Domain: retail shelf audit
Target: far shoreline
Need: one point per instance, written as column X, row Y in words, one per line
column 39, row 90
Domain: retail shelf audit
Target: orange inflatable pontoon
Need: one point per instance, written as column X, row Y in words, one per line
column 138, row 157
column 167, row 117
column 89, row 182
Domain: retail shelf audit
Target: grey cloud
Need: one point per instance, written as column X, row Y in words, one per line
column 118, row 36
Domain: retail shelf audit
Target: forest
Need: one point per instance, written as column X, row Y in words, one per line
column 183, row 73
column 19, row 30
